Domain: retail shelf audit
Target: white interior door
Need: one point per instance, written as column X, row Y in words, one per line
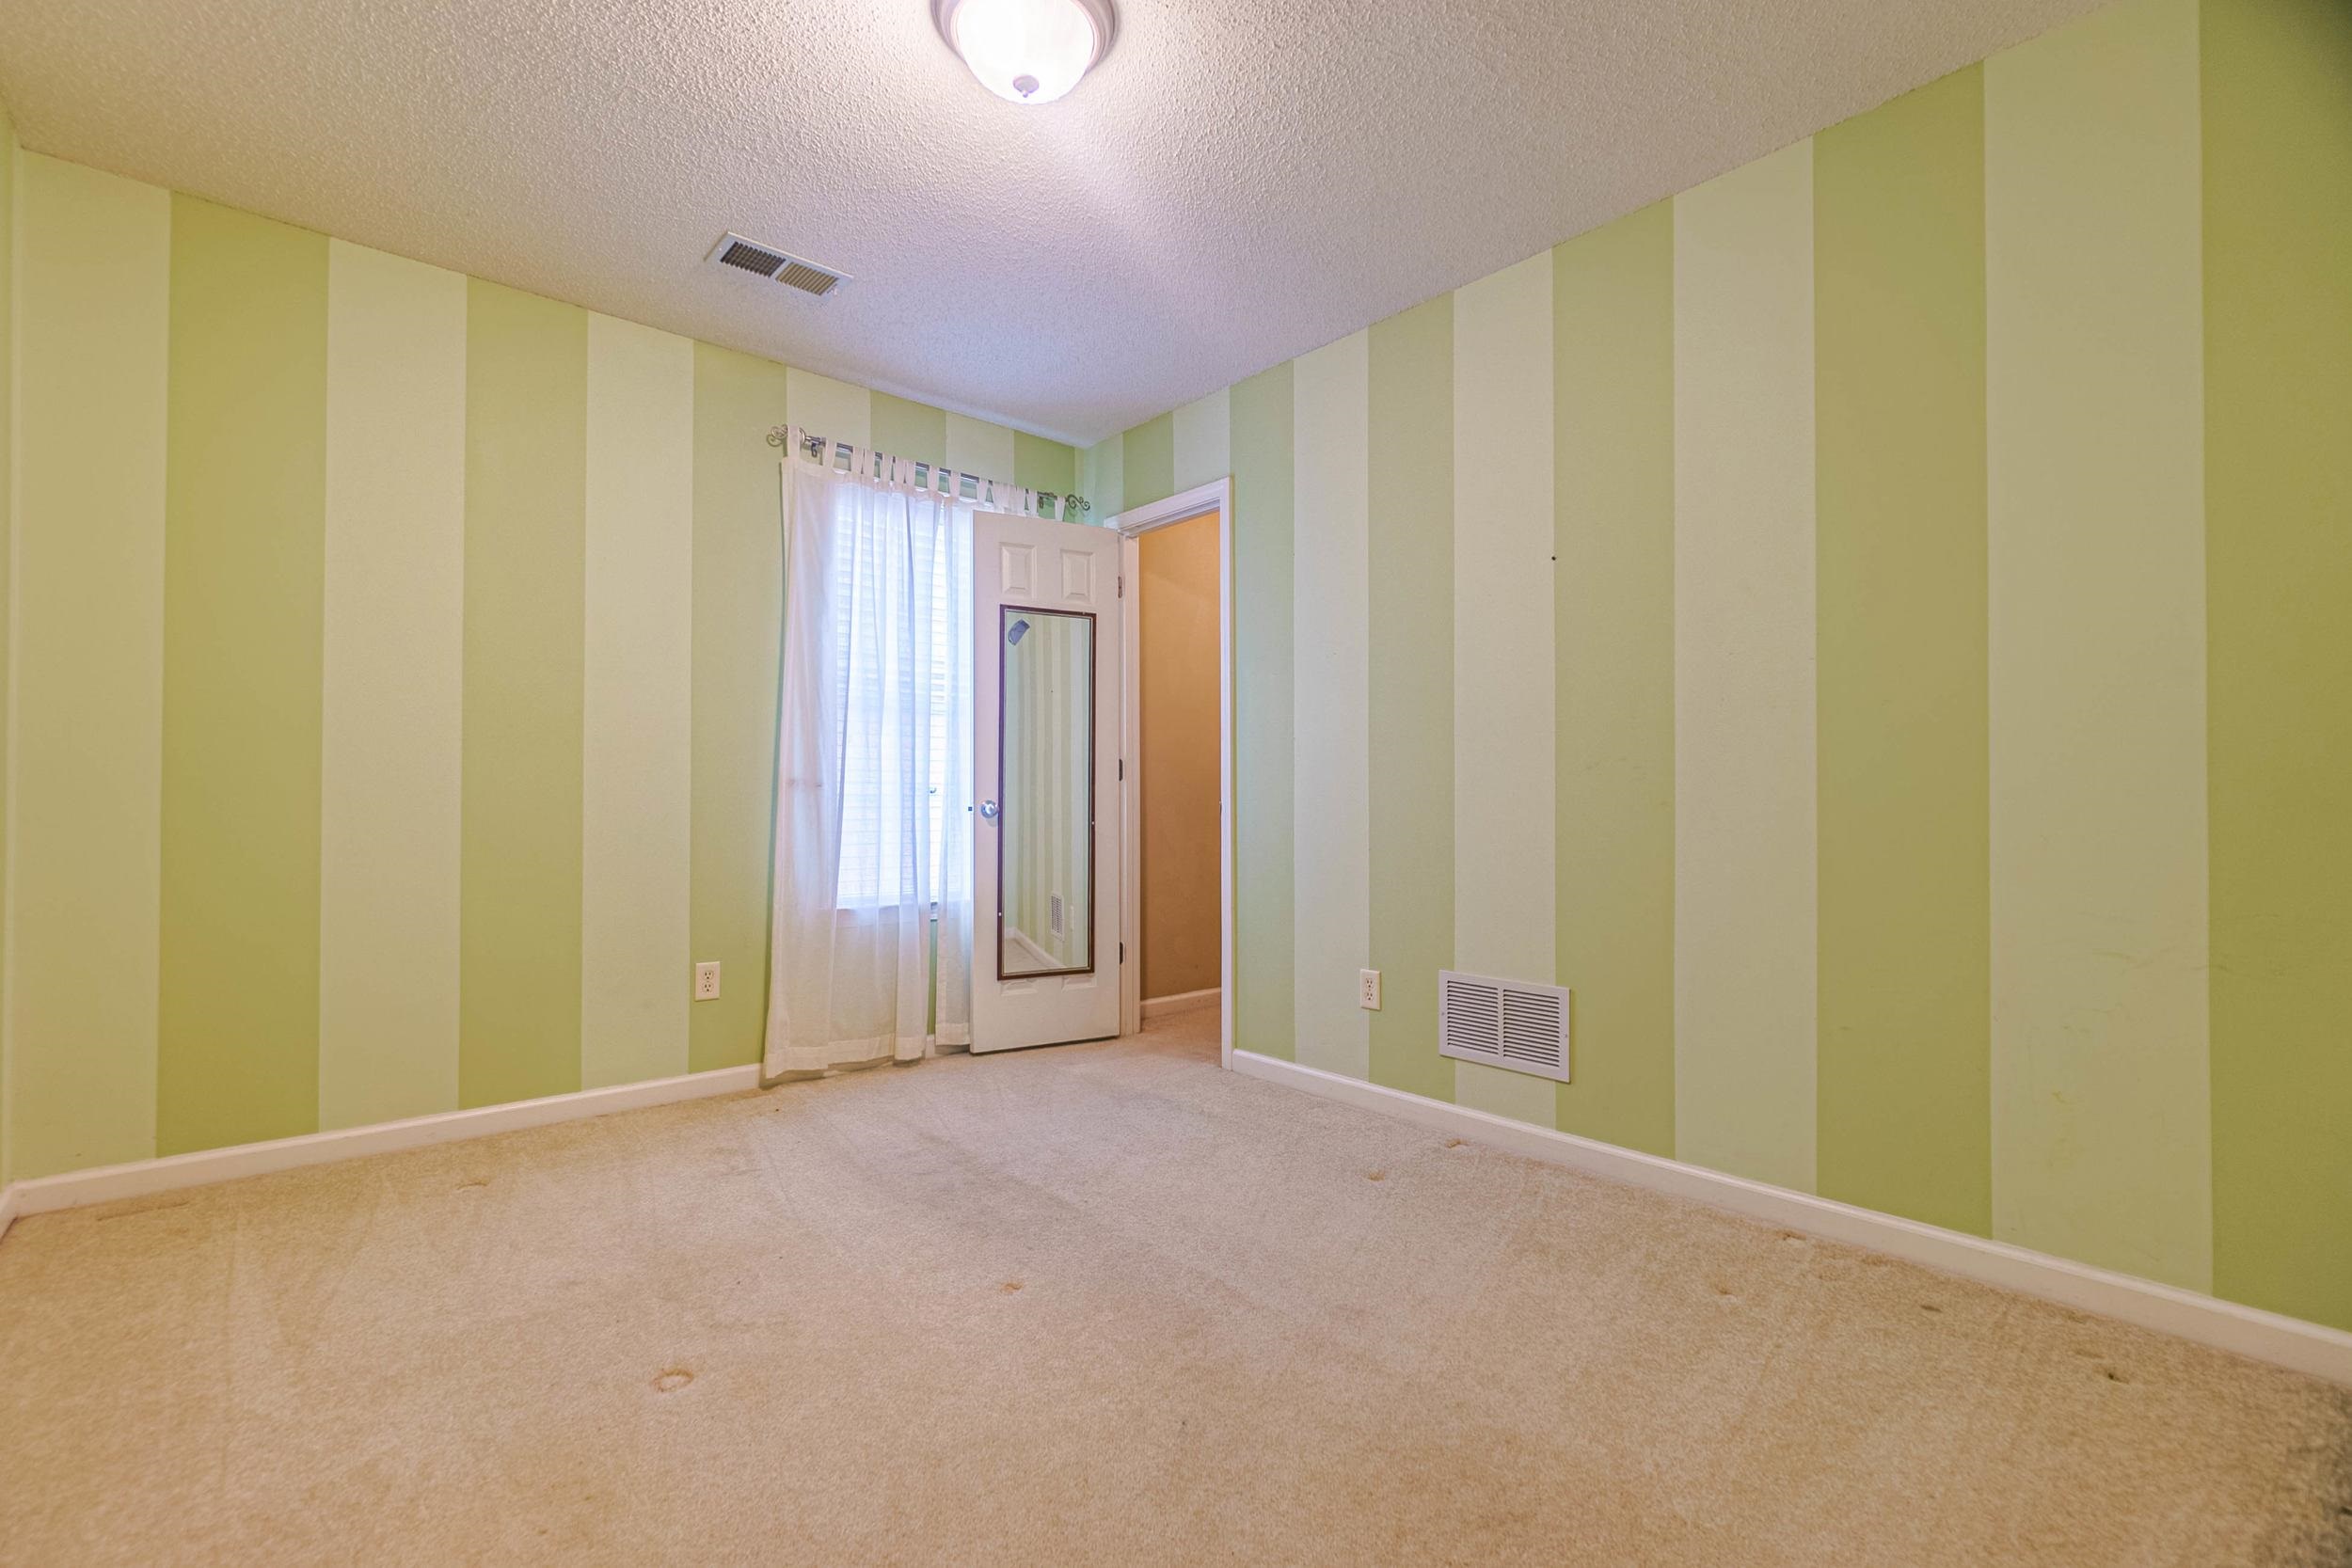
column 1045, row 691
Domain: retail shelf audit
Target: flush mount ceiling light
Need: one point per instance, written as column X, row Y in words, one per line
column 1028, row 51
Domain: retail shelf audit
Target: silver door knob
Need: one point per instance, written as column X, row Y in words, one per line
column 988, row 809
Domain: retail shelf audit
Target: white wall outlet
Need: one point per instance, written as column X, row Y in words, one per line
column 1368, row 989
column 705, row 981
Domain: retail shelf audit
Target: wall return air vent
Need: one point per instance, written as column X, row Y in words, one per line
column 763, row 260
column 1503, row 1024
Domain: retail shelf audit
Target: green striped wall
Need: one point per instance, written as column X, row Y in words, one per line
column 1502, row 771
column 2278, row 341
column 85, row 894
column 1923, row 749
column 392, row 678
column 2097, row 677
column 245, row 572
column 1408, row 687
column 1900, row 626
column 1613, row 618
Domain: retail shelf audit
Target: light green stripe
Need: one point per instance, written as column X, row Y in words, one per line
column 2102, row 1147
column 244, row 595
column 1330, row 932
column 1039, row 464
column 1149, row 466
column 93, row 277
column 1202, row 441
column 823, row 406
column 1103, row 480
column 976, row 447
column 526, row 469
column 1410, row 687
column 913, row 431
column 1263, row 903
column 1504, row 799
column 1745, row 862
column 637, row 706
column 739, row 617
column 2278, row 193
column 393, row 719
column 1905, row 895
column 1613, row 343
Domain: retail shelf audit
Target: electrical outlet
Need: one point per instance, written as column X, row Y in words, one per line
column 1368, row 989
column 705, row 981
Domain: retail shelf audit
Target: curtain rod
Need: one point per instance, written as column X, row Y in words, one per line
column 815, row 446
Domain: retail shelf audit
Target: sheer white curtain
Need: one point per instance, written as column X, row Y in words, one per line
column 873, row 769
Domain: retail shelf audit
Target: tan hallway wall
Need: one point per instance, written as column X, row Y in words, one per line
column 1177, row 600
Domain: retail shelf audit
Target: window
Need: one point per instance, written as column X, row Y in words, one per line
column 904, row 633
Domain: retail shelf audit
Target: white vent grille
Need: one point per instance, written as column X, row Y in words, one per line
column 793, row 272
column 1504, row 1024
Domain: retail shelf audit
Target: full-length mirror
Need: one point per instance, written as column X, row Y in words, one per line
column 1045, row 792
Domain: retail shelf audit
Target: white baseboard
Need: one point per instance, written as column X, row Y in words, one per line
column 140, row 1178
column 1183, row 1002
column 2247, row 1331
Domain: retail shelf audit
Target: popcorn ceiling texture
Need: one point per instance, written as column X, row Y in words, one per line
column 1236, row 184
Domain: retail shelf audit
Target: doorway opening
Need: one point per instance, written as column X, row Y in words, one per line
column 1177, row 765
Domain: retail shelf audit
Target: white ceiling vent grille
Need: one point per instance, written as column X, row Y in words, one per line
column 1504, row 1024
column 734, row 250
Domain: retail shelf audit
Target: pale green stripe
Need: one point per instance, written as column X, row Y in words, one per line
column 1409, row 673
column 1905, row 1088
column 526, row 469
column 1103, row 478
column 2278, row 205
column 1039, row 464
column 739, row 617
column 2102, row 1135
column 637, row 708
column 1502, row 752
column 8, row 552
column 1203, row 440
column 823, row 406
column 976, row 447
column 1744, row 847
column 1331, row 633
column 392, row 713
column 1614, row 466
column 244, row 592
column 913, row 431
column 93, row 281
column 1149, row 466
column 1263, row 463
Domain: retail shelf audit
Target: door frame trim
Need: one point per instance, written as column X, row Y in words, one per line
column 1217, row 497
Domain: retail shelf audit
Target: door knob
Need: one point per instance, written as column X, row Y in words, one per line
column 988, row 809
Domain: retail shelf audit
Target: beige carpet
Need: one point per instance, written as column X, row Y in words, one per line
column 1102, row 1304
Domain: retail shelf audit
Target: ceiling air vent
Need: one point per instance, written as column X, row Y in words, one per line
column 734, row 250
column 1504, row 1024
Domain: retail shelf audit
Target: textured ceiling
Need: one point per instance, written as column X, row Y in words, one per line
column 1238, row 181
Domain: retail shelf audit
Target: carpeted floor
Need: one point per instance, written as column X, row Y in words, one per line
column 1101, row 1303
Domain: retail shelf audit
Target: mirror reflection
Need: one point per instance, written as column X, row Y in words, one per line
column 1045, row 839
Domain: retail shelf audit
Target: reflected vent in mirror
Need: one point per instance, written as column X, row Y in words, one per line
column 1504, row 1024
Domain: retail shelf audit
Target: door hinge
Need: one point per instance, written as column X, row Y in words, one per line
column 1123, row 585
column 1123, row 768
column 1122, row 952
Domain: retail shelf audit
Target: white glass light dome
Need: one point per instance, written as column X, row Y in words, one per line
column 1028, row 50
